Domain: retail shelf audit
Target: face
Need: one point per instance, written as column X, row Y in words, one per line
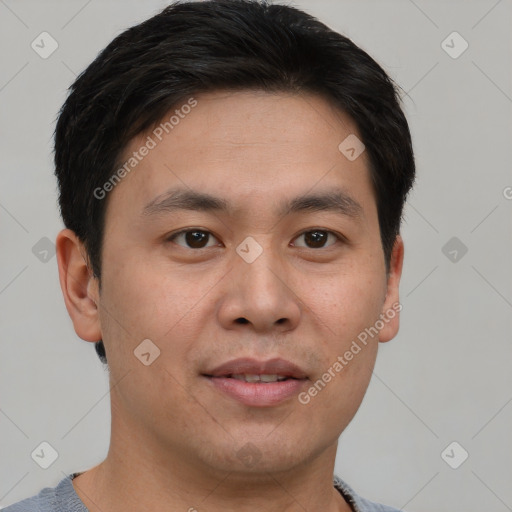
column 254, row 272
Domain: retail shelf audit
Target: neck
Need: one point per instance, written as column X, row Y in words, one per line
column 138, row 474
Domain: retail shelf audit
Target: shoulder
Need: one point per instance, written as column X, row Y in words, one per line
column 358, row 503
column 61, row 498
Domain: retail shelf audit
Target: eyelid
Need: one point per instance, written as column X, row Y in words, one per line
column 339, row 236
column 172, row 236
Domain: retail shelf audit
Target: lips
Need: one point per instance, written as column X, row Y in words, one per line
column 251, row 367
column 258, row 383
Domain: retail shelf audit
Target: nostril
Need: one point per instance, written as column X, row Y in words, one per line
column 242, row 320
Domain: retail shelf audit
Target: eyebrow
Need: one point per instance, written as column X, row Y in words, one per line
column 333, row 200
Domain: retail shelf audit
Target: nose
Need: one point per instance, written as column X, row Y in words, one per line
column 260, row 296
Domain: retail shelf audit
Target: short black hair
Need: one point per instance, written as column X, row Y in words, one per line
column 194, row 47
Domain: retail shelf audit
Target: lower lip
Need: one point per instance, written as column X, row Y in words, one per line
column 258, row 394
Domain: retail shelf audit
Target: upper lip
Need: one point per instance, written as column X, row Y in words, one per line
column 275, row 366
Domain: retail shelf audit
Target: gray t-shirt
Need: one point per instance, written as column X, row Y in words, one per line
column 63, row 498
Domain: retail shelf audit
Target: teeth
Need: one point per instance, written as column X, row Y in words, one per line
column 249, row 377
column 268, row 378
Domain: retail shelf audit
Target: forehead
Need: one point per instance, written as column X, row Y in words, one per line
column 247, row 144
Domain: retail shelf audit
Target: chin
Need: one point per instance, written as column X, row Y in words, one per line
column 263, row 454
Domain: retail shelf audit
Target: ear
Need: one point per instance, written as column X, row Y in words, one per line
column 79, row 287
column 390, row 314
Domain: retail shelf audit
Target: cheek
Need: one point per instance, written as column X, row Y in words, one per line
column 169, row 308
column 334, row 396
column 153, row 300
column 145, row 302
column 346, row 303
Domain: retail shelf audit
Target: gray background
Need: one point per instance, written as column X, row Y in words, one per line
column 446, row 377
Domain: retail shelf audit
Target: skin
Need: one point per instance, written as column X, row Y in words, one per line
column 174, row 438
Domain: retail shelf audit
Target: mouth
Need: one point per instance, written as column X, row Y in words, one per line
column 252, row 377
column 258, row 383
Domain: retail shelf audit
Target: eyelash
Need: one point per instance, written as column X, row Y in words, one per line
column 339, row 237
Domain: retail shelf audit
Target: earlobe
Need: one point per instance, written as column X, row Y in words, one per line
column 79, row 286
column 390, row 315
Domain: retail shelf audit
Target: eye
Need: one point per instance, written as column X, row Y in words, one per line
column 318, row 238
column 193, row 238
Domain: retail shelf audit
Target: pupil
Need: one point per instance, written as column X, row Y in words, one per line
column 316, row 238
column 194, row 238
column 313, row 238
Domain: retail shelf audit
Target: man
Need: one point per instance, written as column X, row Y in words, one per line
column 232, row 176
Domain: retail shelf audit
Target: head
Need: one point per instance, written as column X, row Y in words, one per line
column 229, row 118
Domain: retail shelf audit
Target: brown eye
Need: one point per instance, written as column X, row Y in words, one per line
column 192, row 238
column 317, row 239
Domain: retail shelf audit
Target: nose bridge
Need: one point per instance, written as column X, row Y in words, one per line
column 256, row 265
column 259, row 294
column 261, row 264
